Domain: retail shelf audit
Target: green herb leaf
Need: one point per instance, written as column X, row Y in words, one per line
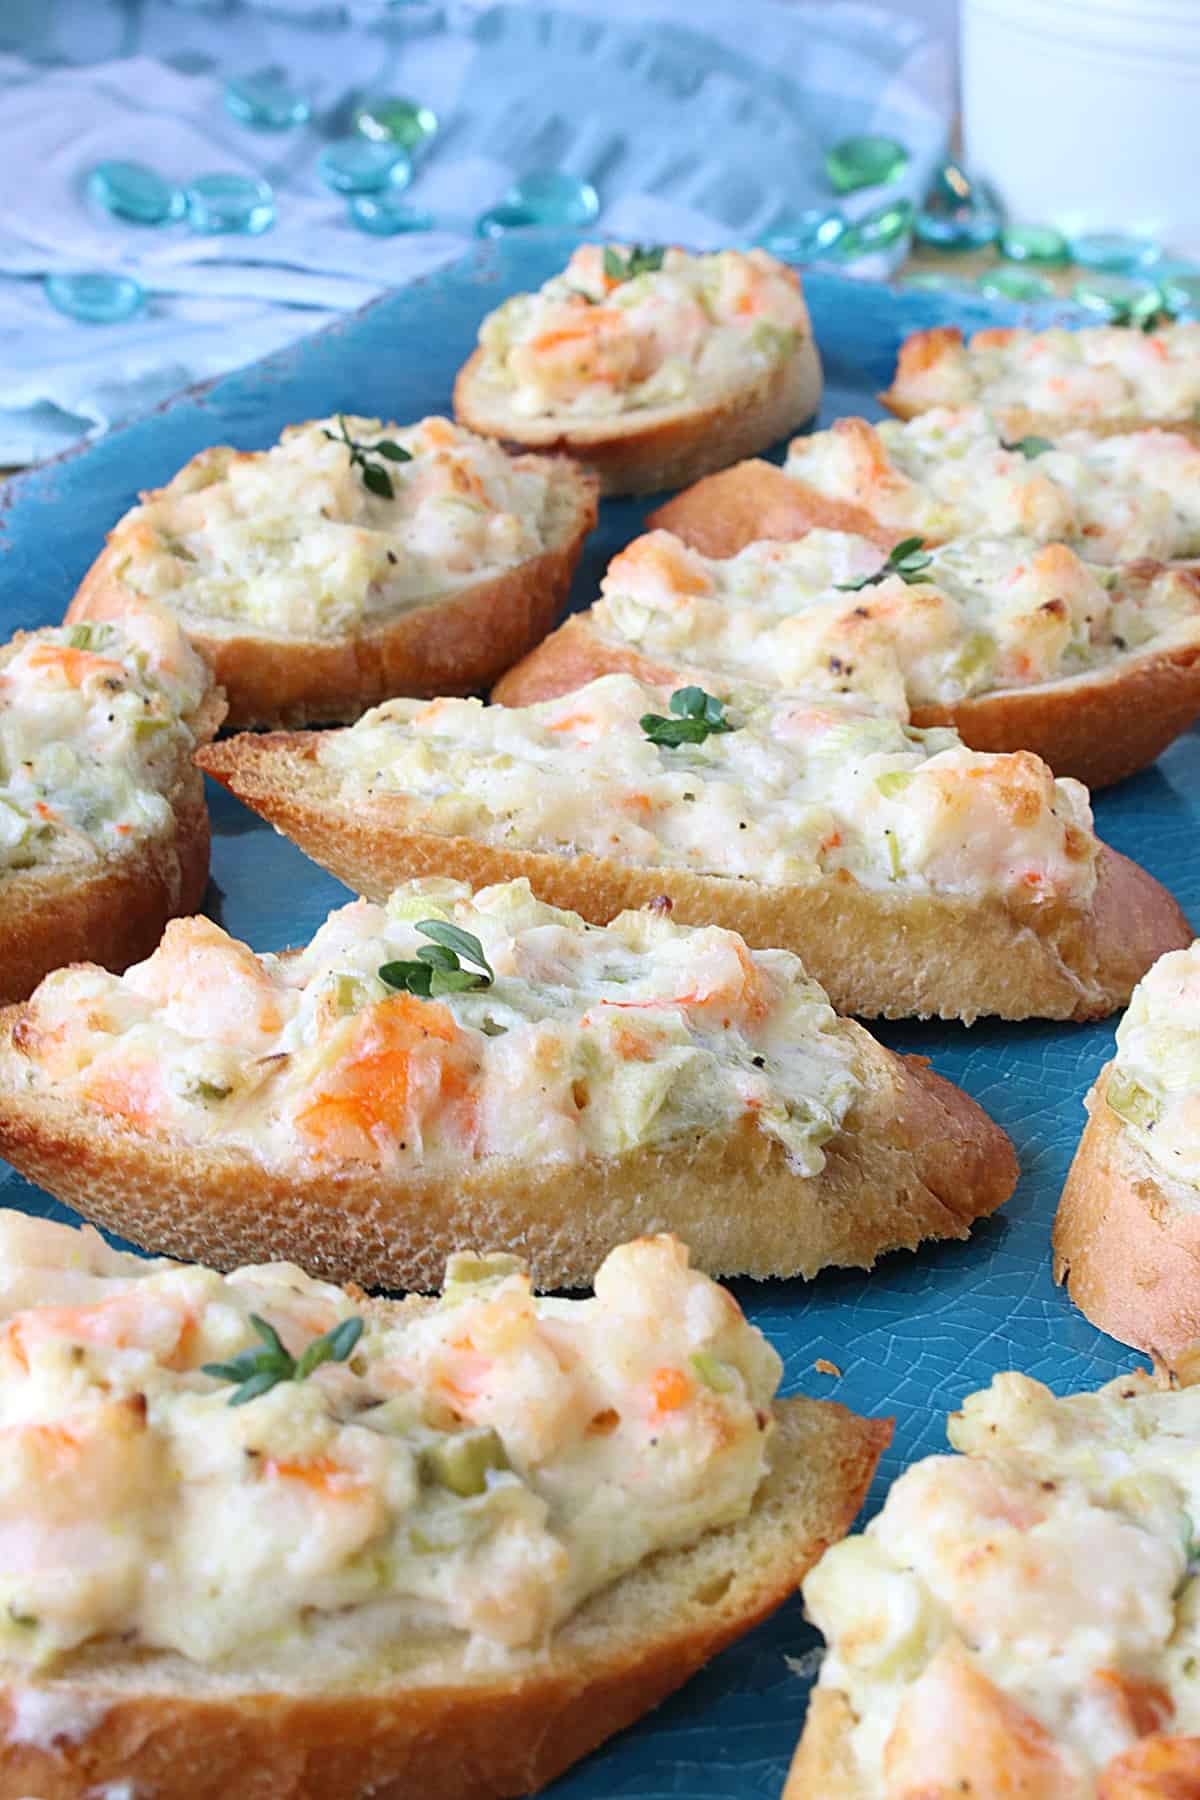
column 462, row 944
column 1030, row 447
column 907, row 559
column 393, row 452
column 697, row 716
column 643, row 259
column 375, row 477
column 378, row 481
column 258, row 1371
column 438, row 966
column 337, row 1345
column 408, row 977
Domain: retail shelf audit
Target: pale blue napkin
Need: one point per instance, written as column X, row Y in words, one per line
column 698, row 121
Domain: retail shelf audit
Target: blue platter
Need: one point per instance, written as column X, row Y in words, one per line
column 919, row 1333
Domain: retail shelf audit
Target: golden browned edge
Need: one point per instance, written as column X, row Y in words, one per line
column 916, row 955
column 477, row 1736
column 114, row 913
column 722, row 514
column 823, row 1767
column 914, row 1159
column 1127, row 1239
column 449, row 646
column 670, row 447
column 1097, row 727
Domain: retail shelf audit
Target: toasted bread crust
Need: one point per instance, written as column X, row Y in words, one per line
column 173, row 1733
column 448, row 646
column 1127, row 1238
column 722, row 514
column 114, row 914
column 822, row 1768
column 1097, row 727
column 664, row 448
column 927, row 1158
column 874, row 954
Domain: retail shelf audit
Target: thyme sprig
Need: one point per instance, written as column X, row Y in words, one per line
column 375, row 477
column 908, row 559
column 256, row 1371
column 438, row 966
column 696, row 716
column 643, row 259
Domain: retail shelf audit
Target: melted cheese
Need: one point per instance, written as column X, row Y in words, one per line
column 591, row 344
column 1154, row 1081
column 482, row 1464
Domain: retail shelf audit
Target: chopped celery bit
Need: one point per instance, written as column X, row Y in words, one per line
column 775, row 341
column 350, row 992
column 893, row 782
column 714, row 1373
column 894, row 855
column 1131, row 1101
column 144, row 727
column 461, row 1463
column 465, row 1269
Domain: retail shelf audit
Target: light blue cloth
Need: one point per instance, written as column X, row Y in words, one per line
column 699, row 121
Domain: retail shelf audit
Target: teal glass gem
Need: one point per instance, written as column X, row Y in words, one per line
column 553, row 198
column 393, row 119
column 1014, row 283
column 883, row 229
column 357, row 166
column 130, row 190
column 1035, row 244
column 1112, row 253
column 234, row 203
column 1120, row 299
column 95, row 297
column 499, row 219
column 959, row 213
column 1181, row 292
column 386, row 215
column 804, row 237
column 266, row 101
column 864, row 161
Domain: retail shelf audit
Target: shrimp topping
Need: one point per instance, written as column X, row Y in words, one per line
column 1153, row 1085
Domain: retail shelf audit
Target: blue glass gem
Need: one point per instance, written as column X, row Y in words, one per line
column 1039, row 244
column 499, row 219
column 355, row 165
column 864, row 161
column 1119, row 299
column 265, row 101
column 237, row 203
column 393, row 119
column 1010, row 282
column 94, row 297
column 553, row 198
column 1113, row 253
column 386, row 215
column 130, row 190
column 804, row 237
column 884, row 229
column 958, row 212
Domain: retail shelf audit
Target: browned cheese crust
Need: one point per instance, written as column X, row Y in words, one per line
column 919, row 955
column 454, row 645
column 667, row 447
column 115, row 911
column 1096, row 727
column 721, row 515
column 1127, row 1239
column 174, row 1732
column 915, row 1158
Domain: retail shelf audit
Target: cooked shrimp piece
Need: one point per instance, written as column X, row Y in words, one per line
column 1159, row 1768
column 208, row 985
column 656, row 566
column 162, row 1325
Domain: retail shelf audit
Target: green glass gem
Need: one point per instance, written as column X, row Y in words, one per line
column 237, row 203
column 94, row 297
column 882, row 229
column 357, row 166
column 1014, row 284
column 499, row 219
column 804, row 237
column 386, row 215
column 1119, row 299
column 929, row 281
column 1112, row 253
column 1035, row 244
column 130, row 190
column 393, row 119
column 864, row 161
column 959, row 213
column 1181, row 293
column 265, row 101
column 555, row 199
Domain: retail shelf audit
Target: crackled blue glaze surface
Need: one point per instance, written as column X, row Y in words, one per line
column 921, row 1331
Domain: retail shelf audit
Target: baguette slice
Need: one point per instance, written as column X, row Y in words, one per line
column 172, row 1730
column 588, row 333
column 905, row 1155
column 1098, row 726
column 874, row 954
column 1110, row 380
column 456, row 641
column 112, row 907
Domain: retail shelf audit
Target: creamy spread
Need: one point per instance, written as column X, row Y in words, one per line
column 948, row 474
column 595, row 341
column 588, row 1042
column 1110, row 374
column 1154, row 1080
column 987, row 613
column 806, row 787
column 1025, row 1612
column 295, row 541
column 480, row 1464
column 94, row 722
